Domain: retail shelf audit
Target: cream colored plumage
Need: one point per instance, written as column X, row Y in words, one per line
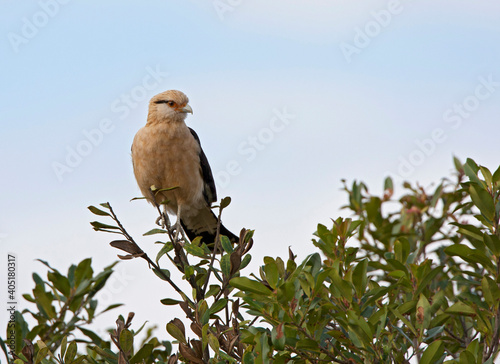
column 165, row 154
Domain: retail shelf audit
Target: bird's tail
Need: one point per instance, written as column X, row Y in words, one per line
column 204, row 224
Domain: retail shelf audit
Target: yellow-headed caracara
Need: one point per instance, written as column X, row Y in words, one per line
column 167, row 154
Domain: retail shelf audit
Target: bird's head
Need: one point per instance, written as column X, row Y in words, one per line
column 171, row 105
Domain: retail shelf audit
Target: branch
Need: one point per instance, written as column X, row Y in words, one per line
column 136, row 252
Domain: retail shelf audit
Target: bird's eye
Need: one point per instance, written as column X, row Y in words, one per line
column 168, row 102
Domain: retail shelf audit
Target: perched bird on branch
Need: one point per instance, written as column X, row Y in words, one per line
column 167, row 154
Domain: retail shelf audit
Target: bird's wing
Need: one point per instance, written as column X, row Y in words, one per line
column 209, row 191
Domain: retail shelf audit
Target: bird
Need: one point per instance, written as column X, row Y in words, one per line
column 167, row 157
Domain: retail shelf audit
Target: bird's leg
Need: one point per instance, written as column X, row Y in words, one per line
column 178, row 223
column 163, row 219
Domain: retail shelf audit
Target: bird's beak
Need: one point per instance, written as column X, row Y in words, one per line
column 186, row 109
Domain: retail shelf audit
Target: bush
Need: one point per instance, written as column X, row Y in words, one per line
column 409, row 279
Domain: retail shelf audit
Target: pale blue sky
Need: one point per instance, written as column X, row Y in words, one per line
column 361, row 119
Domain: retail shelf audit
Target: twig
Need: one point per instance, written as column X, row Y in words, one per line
column 146, row 257
column 179, row 252
column 216, row 246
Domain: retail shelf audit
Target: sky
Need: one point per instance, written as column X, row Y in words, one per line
column 289, row 98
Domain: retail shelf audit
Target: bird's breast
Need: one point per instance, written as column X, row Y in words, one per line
column 168, row 157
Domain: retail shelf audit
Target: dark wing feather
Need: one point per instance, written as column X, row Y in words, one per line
column 209, row 191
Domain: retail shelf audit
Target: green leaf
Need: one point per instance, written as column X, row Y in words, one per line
column 466, row 358
column 471, row 169
column 278, row 337
column 155, row 231
column 388, row 184
column 286, row 292
column 402, row 249
column 496, row 177
column 469, row 230
column 64, row 344
column 487, row 175
column 461, row 308
column 218, row 305
column 105, row 205
column 225, row 202
column 213, row 342
column 458, row 165
column 42, row 352
column 97, row 211
column 344, row 287
column 127, row 341
column 170, row 301
column 437, row 195
column 212, row 291
column 427, row 279
column 246, row 284
column 359, row 277
column 434, row 332
column 61, row 283
column 83, row 271
column 44, row 302
column 271, row 270
column 110, row 307
column 228, row 358
column 372, row 208
column 197, row 251
column 105, row 353
column 226, row 244
column 37, row 279
column 168, row 246
column 99, row 226
column 138, row 198
column 493, row 243
column 156, row 190
column 469, row 255
column 203, row 312
column 71, row 352
column 491, row 292
column 473, row 348
column 398, row 314
column 92, row 336
column 176, row 332
column 225, row 265
column 204, row 336
column 308, row 344
column 483, row 200
column 165, row 272
column 188, row 271
column 83, row 288
column 245, row 261
column 80, row 359
column 143, row 354
column 433, row 353
column 423, row 313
